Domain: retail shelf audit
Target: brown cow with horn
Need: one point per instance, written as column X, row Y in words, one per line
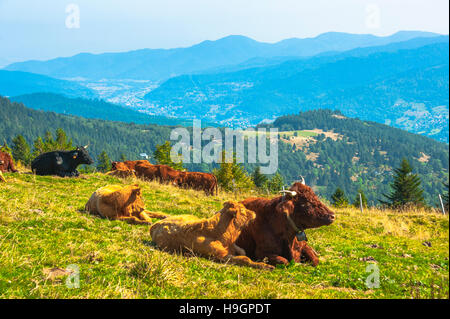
column 277, row 234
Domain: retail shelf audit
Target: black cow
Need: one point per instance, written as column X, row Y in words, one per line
column 61, row 163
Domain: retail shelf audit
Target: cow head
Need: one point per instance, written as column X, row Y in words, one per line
column 119, row 166
column 135, row 198
column 304, row 208
column 237, row 214
column 81, row 156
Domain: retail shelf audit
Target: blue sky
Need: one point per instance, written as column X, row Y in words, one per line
column 31, row 29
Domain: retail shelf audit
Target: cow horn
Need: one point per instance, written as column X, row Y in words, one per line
column 303, row 180
column 292, row 193
column 86, row 146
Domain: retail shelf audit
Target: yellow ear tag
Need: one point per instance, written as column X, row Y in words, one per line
column 74, row 157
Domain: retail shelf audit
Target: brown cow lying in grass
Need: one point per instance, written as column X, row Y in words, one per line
column 276, row 234
column 214, row 237
column 118, row 202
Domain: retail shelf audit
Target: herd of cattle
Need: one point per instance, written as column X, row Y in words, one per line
column 257, row 232
column 165, row 174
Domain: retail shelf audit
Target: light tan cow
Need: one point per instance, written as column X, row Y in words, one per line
column 214, row 237
column 121, row 202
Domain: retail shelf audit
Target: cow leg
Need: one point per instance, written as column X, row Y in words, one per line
column 245, row 261
column 238, row 250
column 276, row 260
column 271, row 249
column 63, row 174
column 154, row 215
column 296, row 250
column 134, row 220
column 310, row 255
column 147, row 216
column 301, row 252
column 74, row 173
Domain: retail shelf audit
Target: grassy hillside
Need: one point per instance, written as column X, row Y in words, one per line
column 42, row 226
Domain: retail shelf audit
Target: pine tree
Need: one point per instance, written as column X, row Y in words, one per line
column 339, row 199
column 445, row 197
column 162, row 156
column 38, row 147
column 275, row 184
column 122, row 158
column 61, row 142
column 104, row 163
column 21, row 150
column 232, row 176
column 259, row 179
column 49, row 142
column 406, row 188
column 356, row 202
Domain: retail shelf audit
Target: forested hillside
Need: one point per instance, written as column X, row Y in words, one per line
column 334, row 152
column 113, row 137
column 95, row 109
column 359, row 154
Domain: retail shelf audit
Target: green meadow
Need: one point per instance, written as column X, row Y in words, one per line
column 43, row 227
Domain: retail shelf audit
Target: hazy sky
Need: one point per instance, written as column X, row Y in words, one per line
column 42, row 29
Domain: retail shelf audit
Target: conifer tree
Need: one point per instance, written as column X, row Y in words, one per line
column 122, row 158
column 275, row 184
column 406, row 188
column 259, row 179
column 445, row 197
column 356, row 202
column 38, row 147
column 49, row 142
column 339, row 199
column 232, row 176
column 162, row 156
column 21, row 150
column 104, row 163
column 61, row 142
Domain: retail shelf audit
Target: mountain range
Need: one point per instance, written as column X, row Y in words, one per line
column 404, row 85
column 161, row 64
column 400, row 80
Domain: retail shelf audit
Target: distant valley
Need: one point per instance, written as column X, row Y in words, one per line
column 400, row 80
